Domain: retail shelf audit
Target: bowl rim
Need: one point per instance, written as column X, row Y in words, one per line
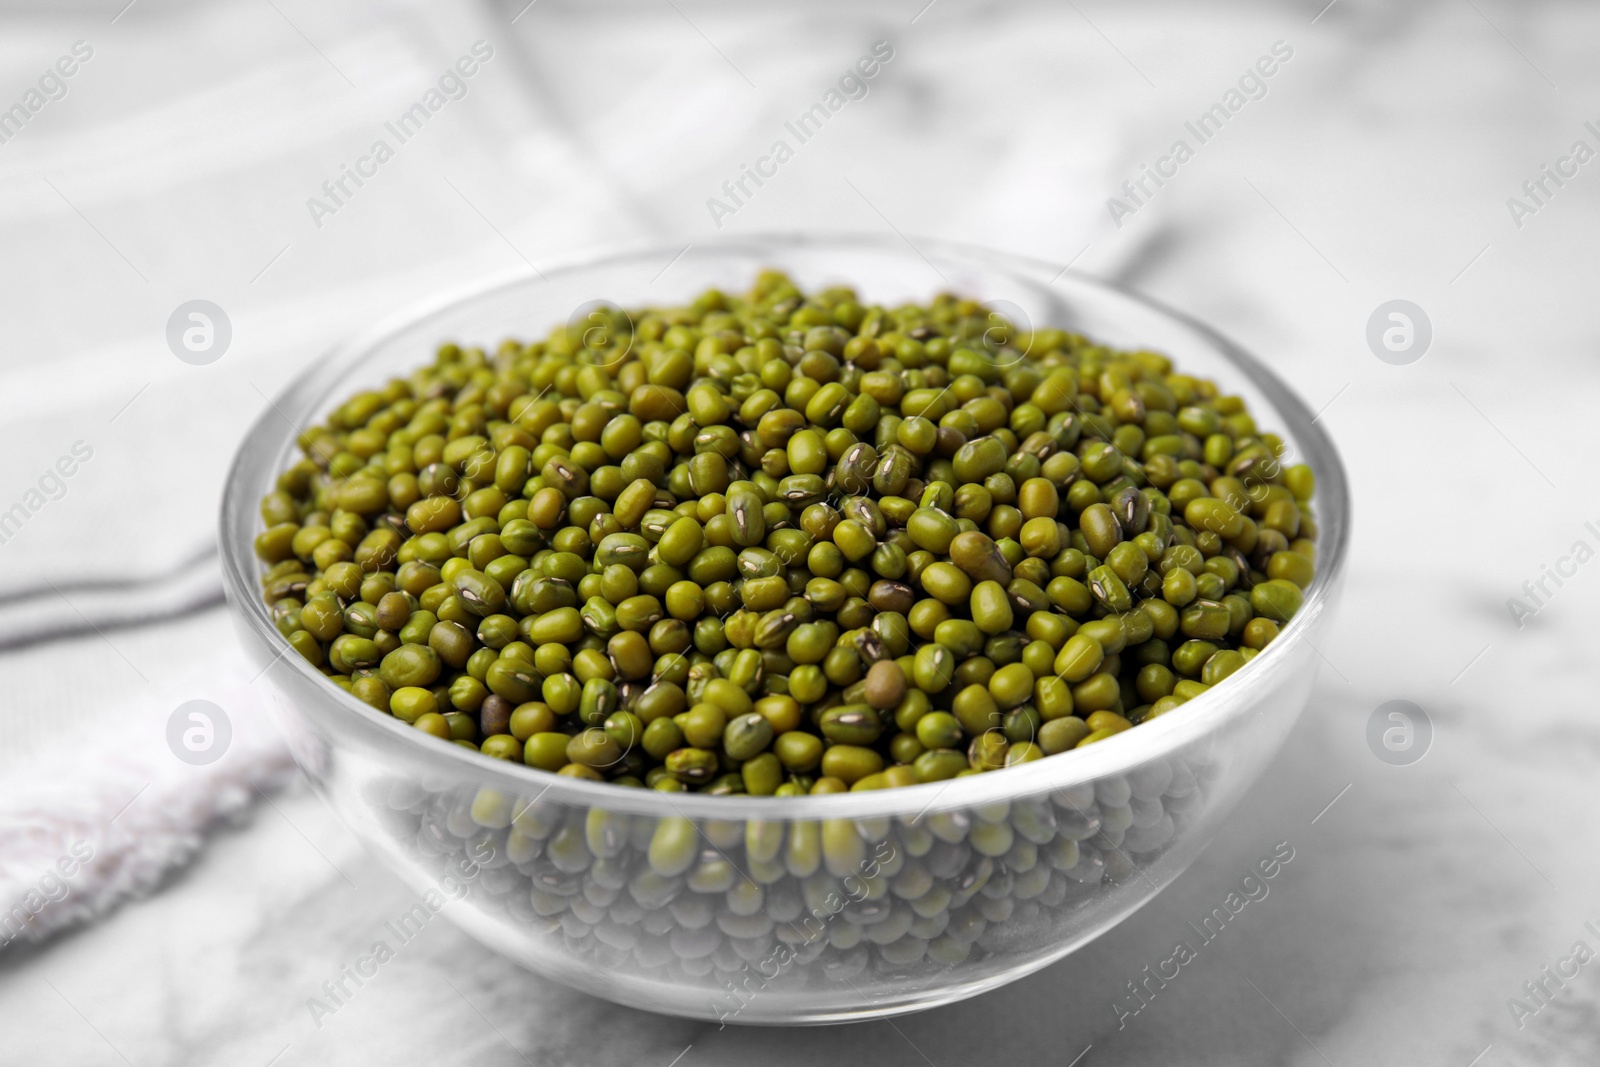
column 1114, row 755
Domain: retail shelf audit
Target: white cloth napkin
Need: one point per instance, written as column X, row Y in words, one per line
column 196, row 188
column 87, row 825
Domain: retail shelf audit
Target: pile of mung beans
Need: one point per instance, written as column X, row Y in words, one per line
column 786, row 543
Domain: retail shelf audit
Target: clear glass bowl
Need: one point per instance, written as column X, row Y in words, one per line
column 787, row 910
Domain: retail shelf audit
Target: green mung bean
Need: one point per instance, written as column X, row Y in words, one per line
column 787, row 543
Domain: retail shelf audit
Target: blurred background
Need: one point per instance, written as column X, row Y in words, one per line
column 1395, row 152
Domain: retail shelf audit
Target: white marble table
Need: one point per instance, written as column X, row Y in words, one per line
column 1376, row 166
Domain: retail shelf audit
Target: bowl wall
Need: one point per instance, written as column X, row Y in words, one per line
column 799, row 910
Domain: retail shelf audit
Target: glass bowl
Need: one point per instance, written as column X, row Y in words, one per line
column 787, row 910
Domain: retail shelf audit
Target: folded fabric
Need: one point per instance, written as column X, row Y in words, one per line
column 88, row 825
column 57, row 609
column 196, row 189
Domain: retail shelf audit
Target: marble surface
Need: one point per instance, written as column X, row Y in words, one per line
column 1376, row 166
